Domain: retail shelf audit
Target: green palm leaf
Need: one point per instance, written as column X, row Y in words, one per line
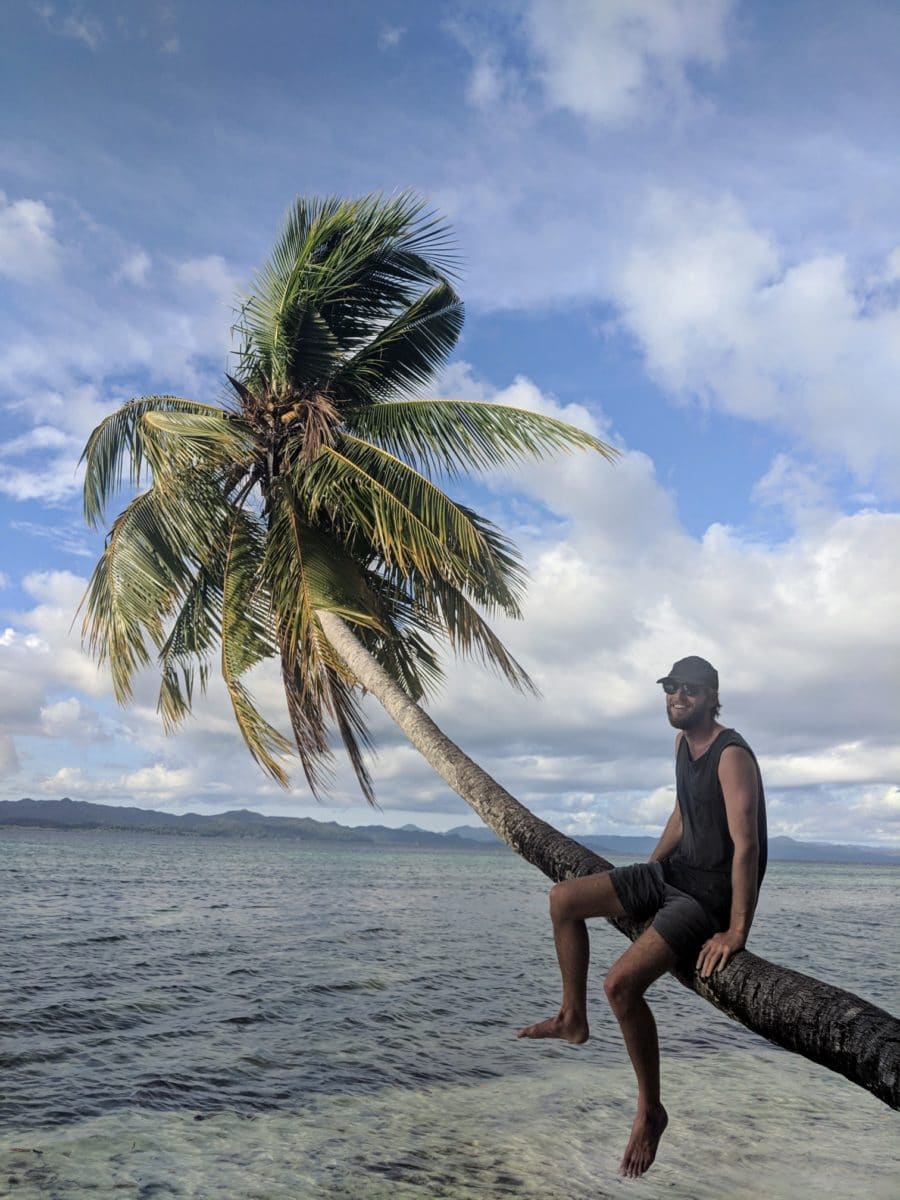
column 304, row 571
column 455, row 436
column 131, row 591
column 346, row 267
column 189, row 644
column 246, row 643
column 445, row 611
column 118, row 442
column 406, row 352
column 176, row 442
column 451, row 540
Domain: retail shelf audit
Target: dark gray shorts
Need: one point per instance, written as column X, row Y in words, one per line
column 677, row 917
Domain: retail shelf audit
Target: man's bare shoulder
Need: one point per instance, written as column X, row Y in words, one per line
column 735, row 754
column 737, row 766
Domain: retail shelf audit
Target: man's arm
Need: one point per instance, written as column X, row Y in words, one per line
column 671, row 836
column 737, row 775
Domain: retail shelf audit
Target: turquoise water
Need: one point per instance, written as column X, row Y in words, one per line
column 184, row 1017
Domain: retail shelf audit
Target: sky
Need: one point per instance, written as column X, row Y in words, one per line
column 679, row 230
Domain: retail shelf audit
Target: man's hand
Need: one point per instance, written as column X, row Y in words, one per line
column 715, row 953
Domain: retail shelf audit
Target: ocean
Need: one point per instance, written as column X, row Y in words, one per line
column 226, row 1018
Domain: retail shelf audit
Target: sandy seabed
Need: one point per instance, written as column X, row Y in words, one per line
column 742, row 1127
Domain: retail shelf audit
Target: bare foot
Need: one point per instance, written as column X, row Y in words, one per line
column 649, row 1126
column 563, row 1026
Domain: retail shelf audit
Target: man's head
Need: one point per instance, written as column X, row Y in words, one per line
column 692, row 692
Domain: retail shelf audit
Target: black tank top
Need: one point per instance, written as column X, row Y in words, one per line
column 701, row 865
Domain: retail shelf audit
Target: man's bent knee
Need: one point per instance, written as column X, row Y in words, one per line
column 622, row 990
column 561, row 900
column 587, row 896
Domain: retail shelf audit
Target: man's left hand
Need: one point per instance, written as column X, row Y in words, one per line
column 715, row 953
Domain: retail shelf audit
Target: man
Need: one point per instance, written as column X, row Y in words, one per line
column 698, row 890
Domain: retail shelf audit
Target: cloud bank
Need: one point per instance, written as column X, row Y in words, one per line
column 803, row 634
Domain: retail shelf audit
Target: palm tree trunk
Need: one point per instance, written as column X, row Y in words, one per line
column 825, row 1024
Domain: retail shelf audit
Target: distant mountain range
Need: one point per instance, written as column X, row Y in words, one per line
column 79, row 814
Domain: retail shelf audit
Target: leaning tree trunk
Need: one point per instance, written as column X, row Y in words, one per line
column 825, row 1024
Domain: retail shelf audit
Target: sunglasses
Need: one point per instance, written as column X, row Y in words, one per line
column 690, row 689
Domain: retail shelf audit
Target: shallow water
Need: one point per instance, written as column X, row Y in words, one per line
column 186, row 1017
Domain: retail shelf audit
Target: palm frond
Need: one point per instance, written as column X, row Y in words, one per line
column 176, row 442
column 344, row 492
column 404, row 648
column 176, row 694
column 345, row 710
column 189, row 644
column 395, row 514
column 338, row 273
column 468, row 633
column 131, row 591
column 116, row 445
column 305, row 692
column 148, row 569
column 452, row 437
column 303, row 571
column 406, row 353
column 246, row 643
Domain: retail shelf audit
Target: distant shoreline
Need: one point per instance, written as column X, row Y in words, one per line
column 80, row 816
column 456, row 846
column 461, row 846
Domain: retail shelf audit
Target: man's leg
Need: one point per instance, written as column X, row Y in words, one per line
column 648, row 958
column 571, row 902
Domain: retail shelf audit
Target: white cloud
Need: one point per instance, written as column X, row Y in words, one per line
column 169, row 331
column 648, row 811
column 41, row 653
column 158, row 780
column 28, row 247
column 797, row 489
column 51, row 484
column 878, row 809
column 611, row 61
column 488, row 83
column 69, row 718
column 390, row 36
column 64, row 781
column 53, row 477
column 211, row 273
column 135, row 268
column 722, row 318
column 804, row 634
column 74, row 24
column 41, row 437
column 156, row 786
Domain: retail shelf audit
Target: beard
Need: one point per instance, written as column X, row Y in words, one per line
column 686, row 719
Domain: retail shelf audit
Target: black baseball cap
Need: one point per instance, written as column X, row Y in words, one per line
column 693, row 669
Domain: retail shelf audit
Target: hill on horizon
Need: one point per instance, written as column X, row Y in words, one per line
column 68, row 814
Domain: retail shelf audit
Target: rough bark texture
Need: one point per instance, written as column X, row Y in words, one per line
column 825, row 1024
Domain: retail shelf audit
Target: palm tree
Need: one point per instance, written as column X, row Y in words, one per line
column 310, row 492
column 302, row 519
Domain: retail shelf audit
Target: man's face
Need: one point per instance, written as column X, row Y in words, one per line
column 689, row 706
